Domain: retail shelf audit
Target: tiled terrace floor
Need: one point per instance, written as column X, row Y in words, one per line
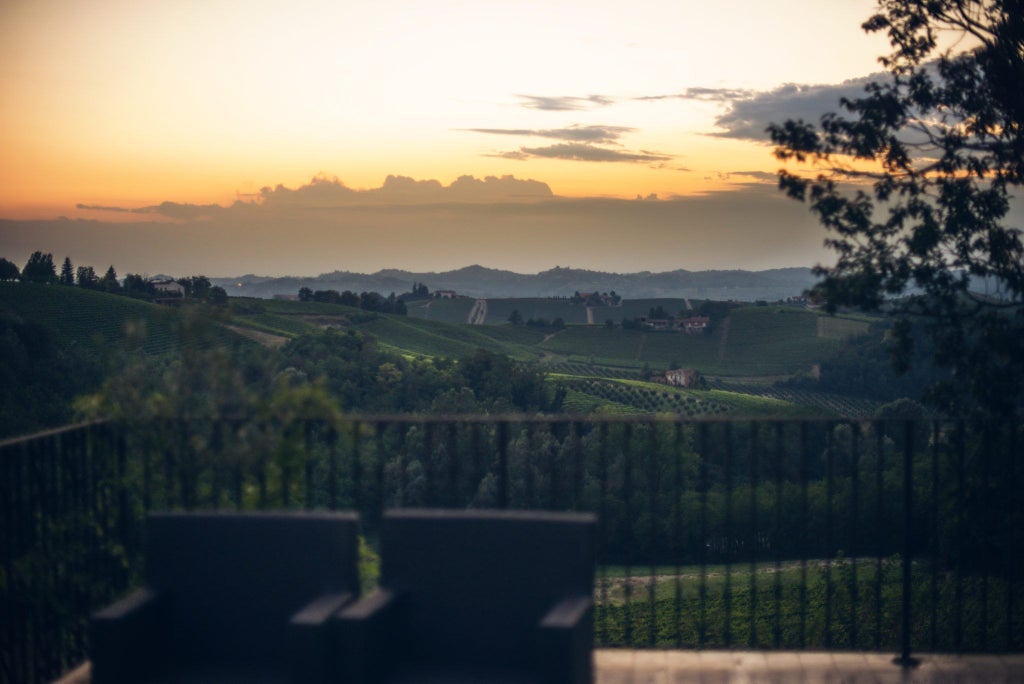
column 743, row 667
column 736, row 667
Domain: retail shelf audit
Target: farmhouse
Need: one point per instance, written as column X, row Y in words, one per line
column 445, row 294
column 695, row 324
column 683, row 377
column 168, row 287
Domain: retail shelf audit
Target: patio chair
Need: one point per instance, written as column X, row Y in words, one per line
column 476, row 596
column 230, row 597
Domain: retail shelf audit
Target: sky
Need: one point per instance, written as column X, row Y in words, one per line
column 177, row 136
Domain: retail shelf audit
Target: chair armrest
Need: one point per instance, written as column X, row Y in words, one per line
column 309, row 638
column 367, row 630
column 565, row 642
column 128, row 638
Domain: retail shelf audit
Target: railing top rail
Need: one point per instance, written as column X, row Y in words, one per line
column 52, row 432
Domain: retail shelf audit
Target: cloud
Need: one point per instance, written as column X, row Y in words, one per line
column 747, row 118
column 98, row 207
column 583, row 134
column 705, row 95
column 173, row 210
column 326, row 192
column 591, row 153
column 755, row 176
column 564, row 103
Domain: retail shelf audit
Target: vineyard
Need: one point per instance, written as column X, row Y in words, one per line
column 91, row 319
column 848, row 407
column 633, row 396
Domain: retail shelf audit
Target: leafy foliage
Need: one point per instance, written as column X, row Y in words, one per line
column 39, row 269
column 915, row 188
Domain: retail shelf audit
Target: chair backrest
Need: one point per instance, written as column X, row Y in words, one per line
column 234, row 579
column 479, row 582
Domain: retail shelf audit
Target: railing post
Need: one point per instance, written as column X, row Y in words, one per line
column 904, row 659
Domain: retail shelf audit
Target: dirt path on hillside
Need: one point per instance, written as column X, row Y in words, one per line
column 590, row 315
column 266, row 339
column 725, row 336
column 689, row 306
column 550, row 335
column 478, row 314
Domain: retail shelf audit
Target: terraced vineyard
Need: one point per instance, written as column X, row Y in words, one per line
column 840, row 405
column 633, row 396
column 91, row 319
column 587, row 370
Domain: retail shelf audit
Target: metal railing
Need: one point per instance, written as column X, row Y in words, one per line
column 894, row 536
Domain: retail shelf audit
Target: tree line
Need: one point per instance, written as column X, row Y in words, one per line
column 40, row 268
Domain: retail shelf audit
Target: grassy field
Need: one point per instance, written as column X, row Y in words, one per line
column 443, row 310
column 498, row 310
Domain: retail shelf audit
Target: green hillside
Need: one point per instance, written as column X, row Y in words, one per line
column 443, row 310
column 498, row 310
column 91, row 319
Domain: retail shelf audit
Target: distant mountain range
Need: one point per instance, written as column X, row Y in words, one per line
column 480, row 282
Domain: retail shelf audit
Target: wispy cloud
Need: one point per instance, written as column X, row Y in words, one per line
column 583, row 134
column 564, row 103
column 174, row 210
column 704, row 95
column 592, row 153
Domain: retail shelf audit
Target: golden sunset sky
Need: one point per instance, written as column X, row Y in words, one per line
column 110, row 108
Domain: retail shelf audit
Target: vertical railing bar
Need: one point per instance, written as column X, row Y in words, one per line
column 454, row 498
column 380, row 464
column 1011, row 547
column 428, row 462
column 677, row 530
column 904, row 658
column 830, row 447
column 879, row 522
column 529, row 483
column 309, row 428
column 217, row 442
column 987, row 523
column 729, row 554
column 703, row 542
column 961, row 507
column 755, row 453
column 577, row 468
column 553, row 479
column 856, row 460
column 402, row 451
column 933, row 622
column 777, row 534
column 803, row 534
column 652, row 512
column 333, row 440
column 627, row 497
column 503, row 472
column 603, row 528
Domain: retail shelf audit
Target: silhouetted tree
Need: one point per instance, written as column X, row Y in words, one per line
column 67, row 273
column 138, row 286
column 305, row 294
column 86, row 277
column 109, row 283
column 515, row 318
column 217, row 296
column 39, row 269
column 196, row 287
column 935, row 152
column 8, row 270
